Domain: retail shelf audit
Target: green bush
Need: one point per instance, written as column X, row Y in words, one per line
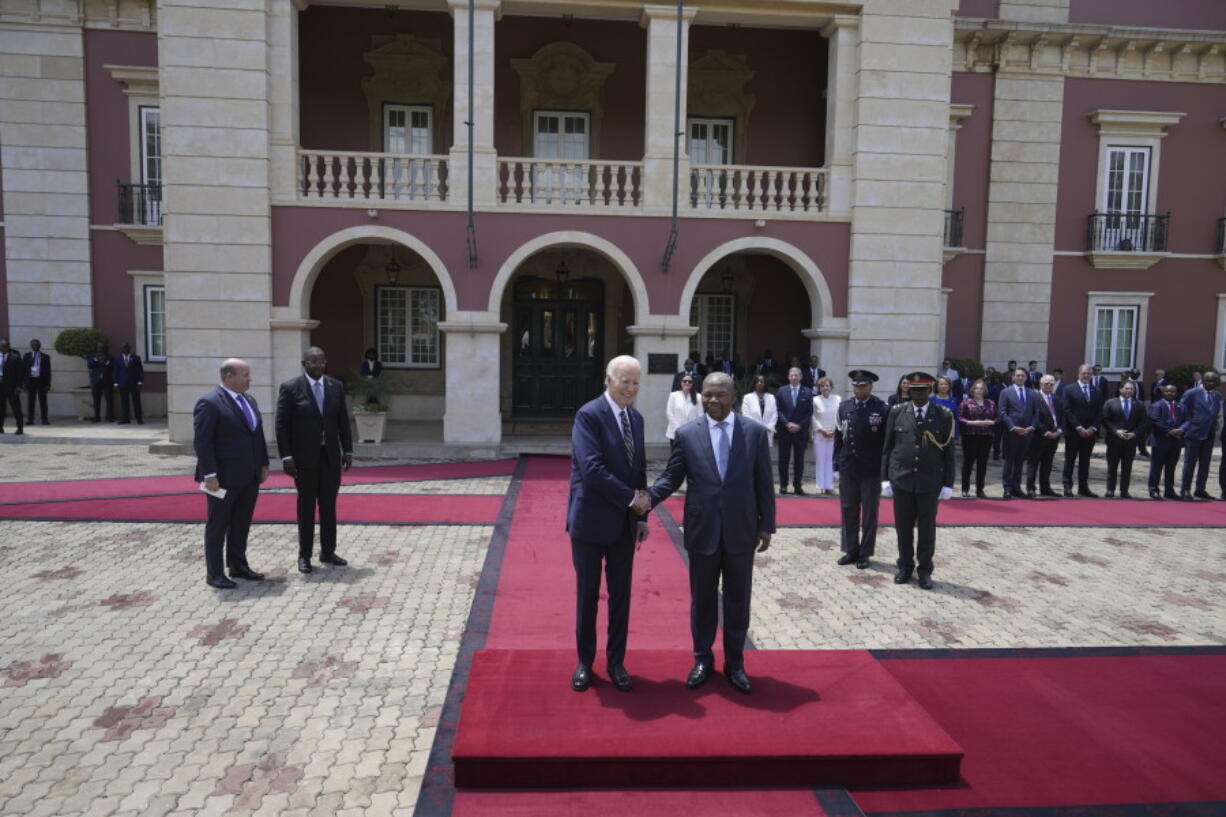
column 1181, row 375
column 967, row 366
column 78, row 342
column 369, row 394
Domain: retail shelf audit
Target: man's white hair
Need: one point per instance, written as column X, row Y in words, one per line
column 1047, row 378
column 622, row 362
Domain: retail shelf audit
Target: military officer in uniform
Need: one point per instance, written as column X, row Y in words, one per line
column 917, row 465
column 857, row 457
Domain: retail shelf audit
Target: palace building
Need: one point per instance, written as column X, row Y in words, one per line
column 500, row 195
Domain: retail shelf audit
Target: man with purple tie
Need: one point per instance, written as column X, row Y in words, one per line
column 1125, row 422
column 1046, row 439
column 1166, row 416
column 1203, row 405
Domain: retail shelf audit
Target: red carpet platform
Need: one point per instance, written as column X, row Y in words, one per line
column 814, row 718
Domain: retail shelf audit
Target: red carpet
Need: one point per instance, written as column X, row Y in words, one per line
column 368, row 508
column 18, row 492
column 829, row 718
column 1020, row 512
column 1071, row 731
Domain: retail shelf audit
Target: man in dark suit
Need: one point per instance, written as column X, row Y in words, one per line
column 725, row 462
column 1033, row 375
column 1157, row 391
column 102, row 382
column 1060, row 384
column 230, row 454
column 37, row 365
column 1018, row 408
column 129, row 377
column 315, row 445
column 857, row 457
column 689, row 369
column 1098, row 381
column 1083, row 410
column 766, row 364
column 795, row 404
column 1124, row 422
column 812, row 373
column 1166, row 415
column 1202, row 406
column 608, row 497
column 12, row 374
column 917, row 466
column 1046, row 439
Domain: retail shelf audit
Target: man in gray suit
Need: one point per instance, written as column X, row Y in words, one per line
column 724, row 459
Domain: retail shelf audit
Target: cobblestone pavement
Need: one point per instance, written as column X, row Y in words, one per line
column 475, row 486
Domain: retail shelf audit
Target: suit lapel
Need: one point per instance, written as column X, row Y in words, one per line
column 708, row 450
column 235, row 411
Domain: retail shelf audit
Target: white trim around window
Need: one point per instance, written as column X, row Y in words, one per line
column 1219, row 344
column 1126, row 316
column 1131, row 129
column 145, row 282
column 406, row 326
column 715, row 316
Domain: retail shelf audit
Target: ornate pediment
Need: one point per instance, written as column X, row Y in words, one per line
column 562, row 76
column 717, row 83
column 407, row 70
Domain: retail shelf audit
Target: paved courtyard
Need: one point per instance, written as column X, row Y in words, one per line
column 129, row 687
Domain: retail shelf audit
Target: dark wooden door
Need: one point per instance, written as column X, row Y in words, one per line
column 557, row 350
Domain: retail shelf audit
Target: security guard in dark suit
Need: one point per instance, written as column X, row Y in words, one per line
column 917, row 464
column 857, row 458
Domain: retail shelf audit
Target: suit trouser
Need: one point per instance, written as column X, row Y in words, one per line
column 912, row 510
column 1163, row 458
column 1077, row 450
column 126, row 396
column 859, row 499
column 100, row 391
column 10, row 399
column 618, row 560
column 39, row 390
column 792, row 445
column 1120, row 454
column 975, row 450
column 318, row 486
column 1039, row 462
column 1015, row 446
column 705, row 573
column 229, row 520
column 1196, row 457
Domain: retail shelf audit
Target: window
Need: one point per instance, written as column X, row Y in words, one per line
column 1115, row 337
column 1220, row 343
column 155, row 324
column 1127, row 182
column 561, row 135
column 408, row 129
column 149, row 199
column 406, row 326
column 710, row 141
column 714, row 317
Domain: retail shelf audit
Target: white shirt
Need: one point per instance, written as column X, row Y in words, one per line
column 713, row 428
column 680, row 411
column 826, row 412
column 767, row 417
column 36, row 364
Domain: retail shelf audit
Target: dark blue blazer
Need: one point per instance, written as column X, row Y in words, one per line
column 130, row 375
column 1202, row 414
column 800, row 413
column 734, row 511
column 225, row 444
column 602, row 480
column 1015, row 412
column 1078, row 412
column 1160, row 424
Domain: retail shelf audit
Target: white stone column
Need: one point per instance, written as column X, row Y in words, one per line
column 829, row 343
column 659, row 335
column 284, row 95
column 46, row 189
column 481, row 111
column 216, row 128
column 842, row 34
column 898, row 185
column 472, row 352
column 660, row 119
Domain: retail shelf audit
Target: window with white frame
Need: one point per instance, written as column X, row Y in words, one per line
column 155, row 324
column 1115, row 336
column 149, row 200
column 1220, row 342
column 714, row 315
column 560, row 135
column 406, row 326
column 710, row 140
column 1126, row 186
column 408, row 129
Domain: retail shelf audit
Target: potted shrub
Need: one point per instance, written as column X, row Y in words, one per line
column 80, row 342
column 369, row 398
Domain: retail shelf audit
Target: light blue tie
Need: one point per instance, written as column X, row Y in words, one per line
column 1127, row 408
column 725, row 448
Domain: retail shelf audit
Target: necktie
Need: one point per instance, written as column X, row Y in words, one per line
column 1127, row 408
column 627, row 437
column 1021, row 395
column 1051, row 408
column 1170, row 404
column 725, row 448
column 318, row 388
column 247, row 412
column 919, row 415
column 1085, row 388
column 794, row 396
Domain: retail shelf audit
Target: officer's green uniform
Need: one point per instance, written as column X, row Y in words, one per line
column 918, row 460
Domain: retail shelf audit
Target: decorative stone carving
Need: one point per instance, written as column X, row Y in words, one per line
column 562, row 76
column 717, row 82
column 408, row 71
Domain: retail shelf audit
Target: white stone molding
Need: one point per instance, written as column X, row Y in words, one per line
column 716, row 90
column 1097, row 298
column 137, row 80
column 662, row 104
column 842, row 87
column 318, row 256
column 125, row 15
column 147, row 235
column 562, row 76
column 1134, row 124
column 1219, row 348
column 406, row 70
column 958, row 113
column 576, row 240
column 820, row 301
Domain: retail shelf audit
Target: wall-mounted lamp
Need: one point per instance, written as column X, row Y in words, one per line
column 727, row 279
column 562, row 272
column 393, row 271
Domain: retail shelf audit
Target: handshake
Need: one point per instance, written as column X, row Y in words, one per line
column 642, row 502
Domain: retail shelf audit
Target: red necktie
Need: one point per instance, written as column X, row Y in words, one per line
column 1171, row 406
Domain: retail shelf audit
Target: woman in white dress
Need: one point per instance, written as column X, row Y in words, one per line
column 825, row 424
column 759, row 406
column 683, row 406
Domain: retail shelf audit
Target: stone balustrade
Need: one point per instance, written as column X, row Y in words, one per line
column 368, row 177
column 752, row 189
column 570, row 182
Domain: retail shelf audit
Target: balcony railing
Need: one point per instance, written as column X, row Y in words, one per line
column 1127, row 232
column 332, row 175
column 140, row 204
column 570, row 183
column 758, row 189
column 953, row 227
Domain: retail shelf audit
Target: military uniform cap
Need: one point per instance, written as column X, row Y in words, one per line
column 921, row 379
column 861, row 377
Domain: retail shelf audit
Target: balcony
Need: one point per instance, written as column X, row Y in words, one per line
column 1126, row 240
column 371, row 178
column 953, row 233
column 569, row 183
column 733, row 189
column 140, row 212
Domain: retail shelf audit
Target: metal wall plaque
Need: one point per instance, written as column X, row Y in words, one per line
column 662, row 364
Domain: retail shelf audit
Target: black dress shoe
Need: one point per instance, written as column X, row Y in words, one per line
column 1048, row 492
column 581, row 678
column 798, row 491
column 1007, row 495
column 981, row 495
column 1022, row 495
column 925, row 581
column 1155, row 495
column 333, row 559
column 1032, row 494
column 1186, row 496
column 863, row 564
column 220, row 582
column 619, row 677
column 123, row 422
column 1170, row 495
column 304, row 565
column 246, row 573
column 783, row 489
column 1068, row 492
column 1087, row 492
column 1197, row 494
column 848, row 558
column 902, row 576
column 1125, row 495
column 738, row 679
column 966, row 494
column 698, row 676
column 1110, row 494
